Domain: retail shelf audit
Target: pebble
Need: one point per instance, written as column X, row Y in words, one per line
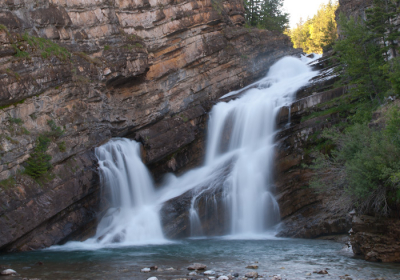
column 251, row 274
column 276, row 278
column 152, row 278
column 236, row 274
column 197, row 266
column 8, row 272
column 193, row 273
column 209, row 272
column 146, row 269
column 211, row 277
column 223, row 278
column 154, row 267
column 170, row 269
column 308, row 274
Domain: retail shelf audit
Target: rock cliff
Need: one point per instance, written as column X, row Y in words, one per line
column 82, row 71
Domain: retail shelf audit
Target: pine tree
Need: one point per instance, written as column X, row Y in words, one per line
column 381, row 22
column 266, row 14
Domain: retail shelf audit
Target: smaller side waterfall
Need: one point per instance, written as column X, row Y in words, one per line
column 134, row 217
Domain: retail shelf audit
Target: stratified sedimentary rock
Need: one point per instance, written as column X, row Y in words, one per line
column 149, row 70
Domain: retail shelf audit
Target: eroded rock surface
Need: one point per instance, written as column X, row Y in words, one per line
column 376, row 238
column 149, row 70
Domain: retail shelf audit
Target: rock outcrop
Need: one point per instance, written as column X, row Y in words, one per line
column 304, row 212
column 83, row 71
column 376, row 238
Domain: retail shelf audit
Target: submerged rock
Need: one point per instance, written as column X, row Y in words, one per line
column 146, row 269
column 197, row 266
column 152, row 278
column 223, row 278
column 209, row 272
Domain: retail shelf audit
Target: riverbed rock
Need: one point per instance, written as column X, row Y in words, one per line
column 146, row 269
column 223, row 278
column 209, row 272
column 251, row 274
column 152, row 278
column 197, row 266
column 252, row 266
column 8, row 272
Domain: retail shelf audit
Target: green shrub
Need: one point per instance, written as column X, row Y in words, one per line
column 365, row 164
column 39, row 162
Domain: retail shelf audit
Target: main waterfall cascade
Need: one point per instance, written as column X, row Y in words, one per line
column 239, row 154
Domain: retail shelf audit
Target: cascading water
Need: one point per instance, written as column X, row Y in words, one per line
column 133, row 218
column 245, row 127
column 240, row 149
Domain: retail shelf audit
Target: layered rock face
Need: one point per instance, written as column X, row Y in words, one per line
column 354, row 8
column 95, row 69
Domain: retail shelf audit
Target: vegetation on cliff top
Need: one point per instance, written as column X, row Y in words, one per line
column 266, row 14
column 365, row 161
column 318, row 33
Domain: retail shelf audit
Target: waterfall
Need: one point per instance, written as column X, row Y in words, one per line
column 133, row 217
column 245, row 127
column 239, row 159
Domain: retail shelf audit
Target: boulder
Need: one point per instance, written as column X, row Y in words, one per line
column 8, row 272
column 251, row 274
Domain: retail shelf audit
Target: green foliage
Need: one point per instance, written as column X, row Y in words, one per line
column 15, row 120
column 107, row 47
column 362, row 59
column 266, row 14
column 39, row 162
column 62, row 147
column 55, row 131
column 365, row 163
column 318, row 33
column 47, row 48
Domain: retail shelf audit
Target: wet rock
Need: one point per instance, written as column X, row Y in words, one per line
column 235, row 274
column 209, row 272
column 170, row 269
column 146, row 269
column 197, row 266
column 152, row 278
column 223, row 278
column 251, row 274
column 154, row 267
column 252, row 266
column 276, row 278
column 8, row 272
column 323, row 271
column 193, row 273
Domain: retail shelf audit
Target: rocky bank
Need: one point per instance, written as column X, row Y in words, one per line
column 91, row 70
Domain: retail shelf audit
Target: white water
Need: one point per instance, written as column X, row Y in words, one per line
column 239, row 157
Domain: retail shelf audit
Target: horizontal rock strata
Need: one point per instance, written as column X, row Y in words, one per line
column 149, row 70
